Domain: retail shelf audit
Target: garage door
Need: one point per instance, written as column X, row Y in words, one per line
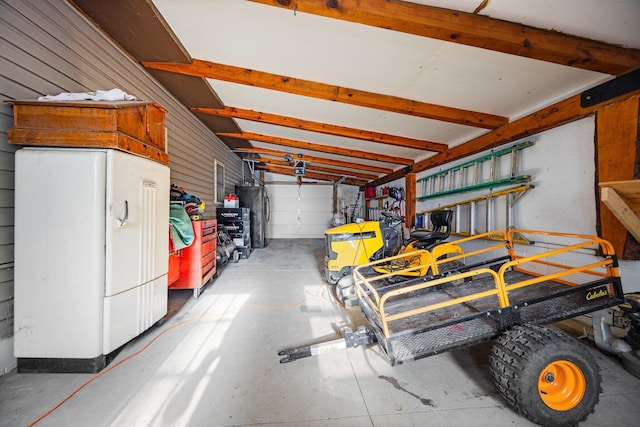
column 299, row 211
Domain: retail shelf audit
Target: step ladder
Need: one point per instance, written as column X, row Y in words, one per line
column 477, row 174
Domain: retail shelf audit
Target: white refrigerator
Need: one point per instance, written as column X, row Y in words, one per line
column 91, row 255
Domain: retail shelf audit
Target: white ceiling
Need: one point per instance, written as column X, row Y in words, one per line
column 294, row 44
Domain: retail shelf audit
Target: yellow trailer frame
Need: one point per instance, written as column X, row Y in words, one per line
column 502, row 284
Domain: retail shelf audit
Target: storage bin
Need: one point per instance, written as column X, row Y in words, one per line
column 231, row 201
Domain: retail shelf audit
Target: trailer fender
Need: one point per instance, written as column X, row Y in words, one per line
column 443, row 249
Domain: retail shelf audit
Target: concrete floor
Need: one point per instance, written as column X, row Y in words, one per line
column 214, row 362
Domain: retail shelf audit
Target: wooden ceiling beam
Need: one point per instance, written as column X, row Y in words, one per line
column 313, row 175
column 474, row 30
column 312, row 89
column 317, row 147
column 292, row 122
column 315, row 167
column 315, row 159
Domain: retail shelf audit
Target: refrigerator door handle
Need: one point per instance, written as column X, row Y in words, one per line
column 123, row 221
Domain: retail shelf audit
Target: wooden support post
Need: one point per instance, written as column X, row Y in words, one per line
column 410, row 197
column 617, row 143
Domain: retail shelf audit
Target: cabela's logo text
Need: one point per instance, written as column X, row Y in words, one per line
column 591, row 295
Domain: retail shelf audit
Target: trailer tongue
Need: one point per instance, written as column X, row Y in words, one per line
column 361, row 336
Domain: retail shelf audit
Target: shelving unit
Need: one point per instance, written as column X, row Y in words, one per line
column 623, row 199
column 373, row 213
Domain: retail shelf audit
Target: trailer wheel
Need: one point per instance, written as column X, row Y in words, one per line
column 346, row 291
column 547, row 376
column 450, row 268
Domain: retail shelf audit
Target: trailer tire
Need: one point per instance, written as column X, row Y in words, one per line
column 452, row 266
column 547, row 376
column 346, row 291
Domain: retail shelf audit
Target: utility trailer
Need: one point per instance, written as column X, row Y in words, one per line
column 498, row 285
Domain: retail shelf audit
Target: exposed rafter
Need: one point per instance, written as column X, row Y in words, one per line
column 315, row 167
column 312, row 89
column 315, row 159
column 292, row 122
column 314, row 175
column 318, row 147
column 474, row 30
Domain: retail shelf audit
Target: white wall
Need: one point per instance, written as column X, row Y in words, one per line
column 562, row 165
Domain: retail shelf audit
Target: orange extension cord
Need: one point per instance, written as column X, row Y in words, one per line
column 321, row 293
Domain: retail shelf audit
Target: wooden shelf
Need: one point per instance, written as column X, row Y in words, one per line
column 623, row 199
column 384, row 196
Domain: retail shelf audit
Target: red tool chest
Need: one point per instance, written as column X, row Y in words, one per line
column 196, row 263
